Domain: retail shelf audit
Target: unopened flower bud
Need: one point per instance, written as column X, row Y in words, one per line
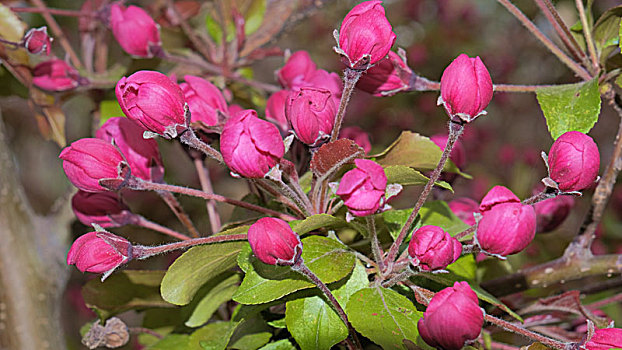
column 104, row 208
column 452, row 318
column 507, row 226
column 154, row 101
column 365, row 36
column 273, row 242
column 605, row 339
column 206, row 102
column 363, row 188
column 550, row 213
column 466, row 88
column 250, row 146
column 311, row 113
column 464, row 208
column 275, row 109
column 56, row 75
column 134, row 29
column 573, row 161
column 388, row 77
column 142, row 155
column 89, row 160
column 357, row 135
column 99, row 252
column 431, row 248
column 295, row 72
column 38, row 41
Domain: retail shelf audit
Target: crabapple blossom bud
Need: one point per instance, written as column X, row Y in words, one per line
column 466, row 88
column 99, row 252
column 56, row 75
column 142, row 155
column 104, row 208
column 205, row 100
column 365, row 36
column 154, row 101
column 573, row 161
column 363, row 188
column 452, row 318
column 275, row 109
column 431, row 248
column 134, row 29
column 250, row 146
column 322, row 79
column 388, row 77
column 311, row 113
column 357, row 135
column 37, row 41
column 464, row 208
column 550, row 213
column 88, row 160
column 605, row 339
column 457, row 154
column 273, row 242
column 507, row 226
column 295, row 72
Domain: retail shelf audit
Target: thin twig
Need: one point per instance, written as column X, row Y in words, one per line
column 350, row 77
column 587, row 32
column 143, row 252
column 179, row 212
column 143, row 222
column 206, row 185
column 375, row 245
column 197, row 42
column 56, row 12
column 525, row 332
column 560, row 27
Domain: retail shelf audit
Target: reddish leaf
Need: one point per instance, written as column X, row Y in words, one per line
column 331, row 156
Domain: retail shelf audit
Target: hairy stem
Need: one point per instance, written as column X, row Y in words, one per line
column 525, row 332
column 350, row 77
column 143, row 222
column 587, row 33
column 560, row 27
column 179, row 212
column 455, row 130
column 375, row 245
column 206, row 185
column 143, row 252
column 190, row 138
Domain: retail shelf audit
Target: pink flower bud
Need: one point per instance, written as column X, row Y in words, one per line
column 431, row 248
column 142, row 155
column 605, row 339
column 273, row 242
column 464, row 208
column 452, row 318
column 134, row 29
column 99, row 252
column 458, row 153
column 550, row 213
column 154, row 101
column 37, row 41
column 365, row 36
column 104, row 208
column 357, row 135
column 56, row 75
column 295, row 72
column 275, row 109
column 250, row 146
column 574, row 161
column 497, row 195
column 362, row 188
column 88, row 160
column 506, row 228
column 322, row 79
column 311, row 113
column 206, row 102
column 388, row 77
column 466, row 88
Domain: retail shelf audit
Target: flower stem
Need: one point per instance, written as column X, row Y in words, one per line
column 466, row 232
column 350, row 77
column 587, row 33
column 525, row 332
column 300, row 267
column 546, row 6
column 141, row 185
column 179, row 212
column 206, row 185
column 375, row 245
column 143, row 252
column 189, row 138
column 580, row 71
column 143, row 222
column 57, row 12
column 455, row 130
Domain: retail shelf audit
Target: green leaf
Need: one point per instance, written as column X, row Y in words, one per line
column 172, row 342
column 251, row 334
column 195, row 267
column 464, row 268
column 432, row 213
column 280, row 323
column 607, row 29
column 572, row 107
column 415, row 151
column 124, row 290
column 221, row 292
column 283, row 344
column 109, row 109
column 407, row 176
column 214, row 336
column 314, row 323
column 384, row 316
column 327, row 258
column 315, row 222
column 254, row 16
column 12, row 28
